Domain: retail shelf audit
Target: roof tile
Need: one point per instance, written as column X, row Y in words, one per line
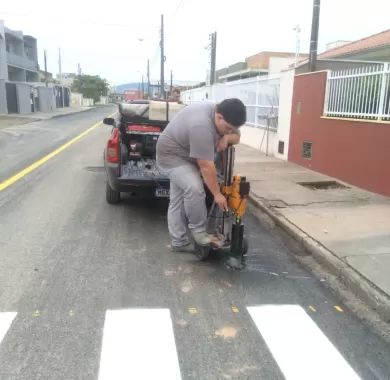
column 376, row 40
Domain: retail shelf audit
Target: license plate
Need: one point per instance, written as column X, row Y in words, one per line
column 162, row 193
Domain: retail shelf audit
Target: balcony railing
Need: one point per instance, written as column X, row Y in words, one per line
column 362, row 93
column 21, row 62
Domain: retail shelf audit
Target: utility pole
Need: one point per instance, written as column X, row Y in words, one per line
column 170, row 92
column 213, row 57
column 143, row 91
column 314, row 35
column 162, row 91
column 59, row 66
column 148, row 82
column 60, row 74
column 45, row 59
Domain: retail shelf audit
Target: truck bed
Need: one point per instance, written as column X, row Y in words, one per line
column 143, row 168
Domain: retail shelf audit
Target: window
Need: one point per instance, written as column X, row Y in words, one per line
column 27, row 51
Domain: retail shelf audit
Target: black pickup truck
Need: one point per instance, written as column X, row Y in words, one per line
column 130, row 152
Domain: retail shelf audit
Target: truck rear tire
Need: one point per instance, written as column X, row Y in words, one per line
column 112, row 196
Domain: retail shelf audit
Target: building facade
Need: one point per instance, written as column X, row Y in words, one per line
column 21, row 87
column 263, row 63
column 18, row 56
column 66, row 79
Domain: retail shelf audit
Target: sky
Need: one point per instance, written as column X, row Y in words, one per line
column 115, row 39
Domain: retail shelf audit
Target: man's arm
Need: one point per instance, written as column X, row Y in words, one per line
column 209, row 173
column 233, row 139
column 227, row 140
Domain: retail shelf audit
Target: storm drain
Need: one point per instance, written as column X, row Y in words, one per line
column 323, row 185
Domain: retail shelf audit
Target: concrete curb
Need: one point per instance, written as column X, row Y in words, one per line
column 355, row 282
column 67, row 114
column 54, row 116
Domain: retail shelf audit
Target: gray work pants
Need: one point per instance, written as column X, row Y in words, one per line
column 187, row 206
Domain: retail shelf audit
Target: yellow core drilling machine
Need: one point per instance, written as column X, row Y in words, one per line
column 228, row 227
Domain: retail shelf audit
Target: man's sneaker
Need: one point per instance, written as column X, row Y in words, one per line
column 186, row 248
column 202, row 238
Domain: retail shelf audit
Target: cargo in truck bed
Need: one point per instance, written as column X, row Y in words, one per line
column 130, row 154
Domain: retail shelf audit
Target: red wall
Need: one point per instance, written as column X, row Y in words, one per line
column 357, row 152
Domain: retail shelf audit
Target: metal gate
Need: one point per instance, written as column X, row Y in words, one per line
column 59, row 97
column 12, row 100
column 66, row 96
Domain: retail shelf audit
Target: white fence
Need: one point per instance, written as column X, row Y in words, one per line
column 88, row 102
column 362, row 93
column 260, row 96
column 76, row 99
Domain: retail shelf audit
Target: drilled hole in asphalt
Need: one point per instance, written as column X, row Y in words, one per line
column 95, row 169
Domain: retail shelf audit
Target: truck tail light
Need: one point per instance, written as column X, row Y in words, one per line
column 113, row 154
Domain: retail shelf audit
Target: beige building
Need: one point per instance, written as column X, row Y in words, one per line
column 67, row 79
column 263, row 63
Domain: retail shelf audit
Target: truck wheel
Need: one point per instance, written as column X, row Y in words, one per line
column 112, row 196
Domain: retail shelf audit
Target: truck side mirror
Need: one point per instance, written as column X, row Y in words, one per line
column 109, row 121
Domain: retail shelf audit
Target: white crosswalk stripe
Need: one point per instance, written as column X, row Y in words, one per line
column 6, row 319
column 138, row 344
column 298, row 346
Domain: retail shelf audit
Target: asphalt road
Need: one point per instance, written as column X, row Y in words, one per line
column 91, row 291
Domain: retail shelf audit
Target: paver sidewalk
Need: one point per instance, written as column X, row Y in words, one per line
column 346, row 229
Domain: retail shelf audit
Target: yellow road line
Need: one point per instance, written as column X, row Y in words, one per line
column 312, row 308
column 10, row 181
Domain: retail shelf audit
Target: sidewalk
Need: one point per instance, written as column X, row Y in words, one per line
column 17, row 119
column 346, row 229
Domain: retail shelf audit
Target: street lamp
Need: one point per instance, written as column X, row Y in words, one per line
column 297, row 30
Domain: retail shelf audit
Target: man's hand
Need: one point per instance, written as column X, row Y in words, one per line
column 226, row 140
column 209, row 173
column 222, row 143
column 220, row 200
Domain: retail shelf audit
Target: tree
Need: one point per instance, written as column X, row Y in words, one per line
column 91, row 86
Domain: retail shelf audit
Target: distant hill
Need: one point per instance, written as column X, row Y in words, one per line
column 128, row 86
